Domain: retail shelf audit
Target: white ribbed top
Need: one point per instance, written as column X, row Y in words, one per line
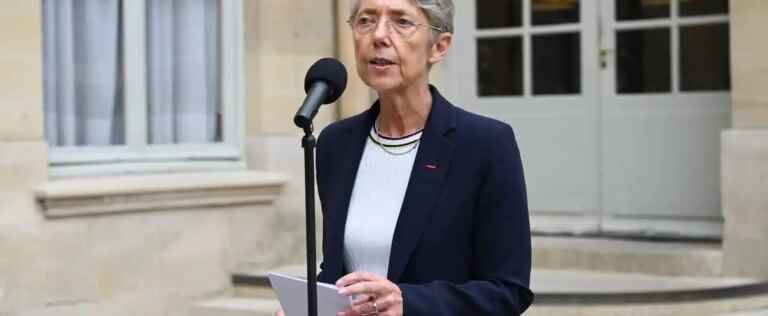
column 377, row 197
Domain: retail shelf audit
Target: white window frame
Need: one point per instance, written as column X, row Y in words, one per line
column 673, row 23
column 137, row 156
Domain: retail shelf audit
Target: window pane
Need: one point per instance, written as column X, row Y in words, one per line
column 555, row 11
column 500, row 66
column 643, row 61
column 82, row 73
column 641, row 9
column 703, row 7
column 557, row 64
column 705, row 58
column 183, row 73
column 499, row 13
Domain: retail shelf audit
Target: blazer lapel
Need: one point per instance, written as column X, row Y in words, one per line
column 356, row 134
column 432, row 163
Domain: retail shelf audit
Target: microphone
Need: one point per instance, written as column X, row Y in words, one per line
column 324, row 84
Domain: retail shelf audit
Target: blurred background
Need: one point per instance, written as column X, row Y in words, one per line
column 149, row 164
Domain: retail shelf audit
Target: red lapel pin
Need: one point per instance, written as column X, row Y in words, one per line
column 433, row 167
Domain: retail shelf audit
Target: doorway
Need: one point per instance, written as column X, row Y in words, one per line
column 617, row 107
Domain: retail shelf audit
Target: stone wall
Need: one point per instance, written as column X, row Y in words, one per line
column 749, row 65
column 745, row 147
column 156, row 262
column 138, row 263
column 283, row 39
column 127, row 263
column 21, row 71
column 745, row 202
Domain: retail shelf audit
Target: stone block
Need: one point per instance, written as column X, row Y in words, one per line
column 183, row 251
column 22, row 22
column 282, row 154
column 152, row 263
column 279, row 51
column 748, row 63
column 750, row 113
column 48, row 267
column 252, row 234
column 149, row 303
column 23, row 165
column 627, row 256
column 67, row 263
column 745, row 202
column 21, row 116
column 235, row 307
column 21, row 69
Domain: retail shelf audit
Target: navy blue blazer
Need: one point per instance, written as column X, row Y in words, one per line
column 462, row 243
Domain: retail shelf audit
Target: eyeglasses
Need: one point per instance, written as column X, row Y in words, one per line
column 403, row 26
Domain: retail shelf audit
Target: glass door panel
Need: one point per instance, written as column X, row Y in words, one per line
column 531, row 64
column 665, row 100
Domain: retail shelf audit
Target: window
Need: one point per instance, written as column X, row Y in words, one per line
column 666, row 46
column 529, row 48
column 142, row 85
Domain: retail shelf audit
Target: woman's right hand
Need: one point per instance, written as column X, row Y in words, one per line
column 279, row 312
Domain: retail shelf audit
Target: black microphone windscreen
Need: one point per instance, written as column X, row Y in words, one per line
column 330, row 71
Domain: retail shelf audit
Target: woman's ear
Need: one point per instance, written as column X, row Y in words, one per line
column 440, row 48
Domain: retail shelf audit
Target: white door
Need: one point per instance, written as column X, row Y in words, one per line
column 617, row 105
column 532, row 64
column 666, row 98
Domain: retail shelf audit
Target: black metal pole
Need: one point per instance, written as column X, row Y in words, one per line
column 308, row 142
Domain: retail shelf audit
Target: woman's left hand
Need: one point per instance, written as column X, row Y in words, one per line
column 375, row 295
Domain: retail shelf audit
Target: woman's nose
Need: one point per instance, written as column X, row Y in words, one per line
column 382, row 30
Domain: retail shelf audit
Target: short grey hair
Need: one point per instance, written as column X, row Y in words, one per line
column 439, row 12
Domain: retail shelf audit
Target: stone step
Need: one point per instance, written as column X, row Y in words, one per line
column 255, row 283
column 235, row 306
column 743, row 306
column 735, row 300
column 672, row 258
column 560, row 284
column 762, row 312
column 602, row 276
column 566, row 293
column 579, row 293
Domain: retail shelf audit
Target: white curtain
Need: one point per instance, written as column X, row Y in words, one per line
column 83, row 77
column 183, row 71
column 82, row 103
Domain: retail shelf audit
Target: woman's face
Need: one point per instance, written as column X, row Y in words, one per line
column 388, row 60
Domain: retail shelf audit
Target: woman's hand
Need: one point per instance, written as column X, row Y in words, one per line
column 280, row 312
column 374, row 295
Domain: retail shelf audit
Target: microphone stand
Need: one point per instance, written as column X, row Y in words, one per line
column 324, row 83
column 308, row 143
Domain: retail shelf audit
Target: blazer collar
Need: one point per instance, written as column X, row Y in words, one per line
column 430, row 167
column 441, row 119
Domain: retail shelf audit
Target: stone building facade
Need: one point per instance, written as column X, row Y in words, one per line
column 148, row 238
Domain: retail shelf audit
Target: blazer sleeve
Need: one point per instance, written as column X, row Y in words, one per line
column 501, row 259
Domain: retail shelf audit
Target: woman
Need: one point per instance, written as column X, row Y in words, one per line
column 424, row 204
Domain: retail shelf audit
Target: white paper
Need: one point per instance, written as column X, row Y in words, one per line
column 292, row 292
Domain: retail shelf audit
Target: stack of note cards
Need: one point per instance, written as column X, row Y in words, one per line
column 292, row 292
